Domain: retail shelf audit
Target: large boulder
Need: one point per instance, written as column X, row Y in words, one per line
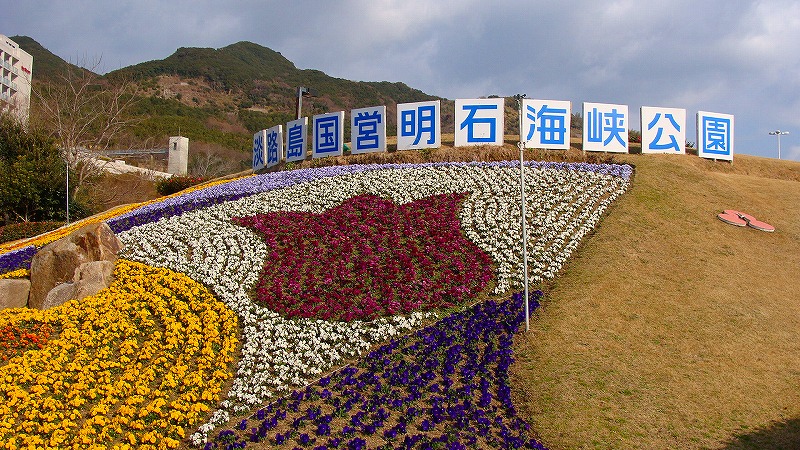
column 92, row 277
column 60, row 294
column 57, row 262
column 14, row 293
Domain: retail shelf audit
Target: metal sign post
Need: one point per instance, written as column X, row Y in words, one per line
column 522, row 202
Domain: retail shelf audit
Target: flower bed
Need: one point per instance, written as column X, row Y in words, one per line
column 368, row 258
column 140, row 363
column 196, row 234
column 445, row 385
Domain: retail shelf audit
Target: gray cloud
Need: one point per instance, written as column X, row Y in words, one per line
column 732, row 57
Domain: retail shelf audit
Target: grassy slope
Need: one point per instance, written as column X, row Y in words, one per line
column 671, row 328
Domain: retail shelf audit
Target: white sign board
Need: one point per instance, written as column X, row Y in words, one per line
column 715, row 135
column 479, row 121
column 605, row 127
column 546, row 124
column 259, row 148
column 368, row 130
column 419, row 125
column 296, row 139
column 328, row 139
column 663, row 130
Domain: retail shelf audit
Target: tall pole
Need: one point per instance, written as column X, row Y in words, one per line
column 778, row 133
column 523, row 220
column 67, row 163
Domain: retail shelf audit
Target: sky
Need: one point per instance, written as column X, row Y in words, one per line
column 732, row 57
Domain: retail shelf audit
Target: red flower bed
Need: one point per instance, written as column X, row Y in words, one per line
column 368, row 257
column 16, row 338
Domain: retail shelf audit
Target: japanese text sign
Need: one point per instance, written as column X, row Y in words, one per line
column 479, row 121
column 419, row 125
column 259, row 150
column 663, row 130
column 368, row 130
column 605, row 127
column 715, row 135
column 328, row 139
column 546, row 124
column 274, row 145
column 296, row 142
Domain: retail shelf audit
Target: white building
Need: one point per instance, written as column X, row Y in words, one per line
column 15, row 82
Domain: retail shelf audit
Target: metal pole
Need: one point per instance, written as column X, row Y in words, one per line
column 524, row 232
column 523, row 220
column 67, row 162
column 779, row 145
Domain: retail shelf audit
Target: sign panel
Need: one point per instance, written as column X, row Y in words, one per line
column 479, row 121
column 274, row 145
column 663, row 130
column 368, row 130
column 328, row 139
column 296, row 139
column 715, row 135
column 259, row 150
column 546, row 124
column 419, row 125
column 605, row 127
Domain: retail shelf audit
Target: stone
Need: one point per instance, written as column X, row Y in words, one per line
column 90, row 278
column 14, row 292
column 60, row 294
column 56, row 262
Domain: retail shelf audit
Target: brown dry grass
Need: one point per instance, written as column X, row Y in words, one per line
column 671, row 328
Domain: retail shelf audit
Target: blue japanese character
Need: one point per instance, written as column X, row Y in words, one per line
column 272, row 147
column 594, row 131
column 614, row 125
column 327, row 134
column 673, row 144
column 367, row 136
column 716, row 134
column 258, row 151
column 294, row 145
column 419, row 121
column 470, row 121
column 552, row 124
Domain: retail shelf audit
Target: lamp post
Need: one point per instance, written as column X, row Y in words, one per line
column 778, row 133
column 518, row 98
column 302, row 92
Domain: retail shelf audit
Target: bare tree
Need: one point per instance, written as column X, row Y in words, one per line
column 86, row 115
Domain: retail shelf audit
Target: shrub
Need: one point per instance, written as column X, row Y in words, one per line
column 24, row 230
column 175, row 184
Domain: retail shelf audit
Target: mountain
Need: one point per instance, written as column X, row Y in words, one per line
column 46, row 65
column 220, row 97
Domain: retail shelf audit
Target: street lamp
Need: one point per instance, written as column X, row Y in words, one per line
column 778, row 133
column 303, row 92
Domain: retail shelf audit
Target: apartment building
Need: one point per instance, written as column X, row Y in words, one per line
column 16, row 66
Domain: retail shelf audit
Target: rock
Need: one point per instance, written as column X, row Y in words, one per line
column 14, row 292
column 56, row 262
column 91, row 278
column 60, row 294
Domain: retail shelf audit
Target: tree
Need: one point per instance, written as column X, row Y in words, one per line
column 33, row 174
column 86, row 115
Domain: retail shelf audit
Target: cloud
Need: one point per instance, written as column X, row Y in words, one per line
column 716, row 55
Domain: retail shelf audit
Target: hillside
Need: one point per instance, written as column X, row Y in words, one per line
column 219, row 97
column 672, row 329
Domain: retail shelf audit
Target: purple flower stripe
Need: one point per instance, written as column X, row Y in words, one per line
column 445, row 386
column 17, row 259
column 237, row 189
